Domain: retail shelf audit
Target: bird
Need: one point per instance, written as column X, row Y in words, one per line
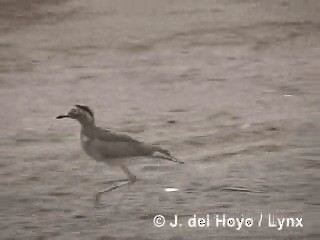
column 112, row 148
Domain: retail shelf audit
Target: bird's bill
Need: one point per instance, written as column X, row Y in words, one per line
column 62, row 116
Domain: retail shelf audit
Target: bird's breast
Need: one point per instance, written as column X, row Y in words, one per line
column 88, row 146
column 84, row 139
column 85, row 143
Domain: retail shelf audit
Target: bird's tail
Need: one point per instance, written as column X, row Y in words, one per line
column 165, row 154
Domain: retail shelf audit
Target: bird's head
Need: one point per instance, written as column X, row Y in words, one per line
column 81, row 113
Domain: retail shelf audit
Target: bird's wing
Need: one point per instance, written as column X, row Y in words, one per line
column 108, row 136
column 115, row 145
column 110, row 149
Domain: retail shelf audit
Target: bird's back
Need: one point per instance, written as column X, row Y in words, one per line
column 103, row 145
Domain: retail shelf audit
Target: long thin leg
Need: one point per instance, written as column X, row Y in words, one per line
column 116, row 181
column 109, row 189
column 131, row 176
column 131, row 179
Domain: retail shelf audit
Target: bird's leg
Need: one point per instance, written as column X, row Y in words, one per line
column 131, row 179
column 119, row 180
column 109, row 189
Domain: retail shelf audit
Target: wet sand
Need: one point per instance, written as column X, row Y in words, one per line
column 231, row 88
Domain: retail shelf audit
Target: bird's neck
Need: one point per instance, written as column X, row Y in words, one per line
column 87, row 124
column 88, row 130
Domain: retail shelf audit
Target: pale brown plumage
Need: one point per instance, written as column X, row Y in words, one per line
column 112, row 148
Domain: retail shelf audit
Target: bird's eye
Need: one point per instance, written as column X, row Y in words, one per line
column 75, row 111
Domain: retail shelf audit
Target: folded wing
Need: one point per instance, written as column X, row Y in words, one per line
column 113, row 145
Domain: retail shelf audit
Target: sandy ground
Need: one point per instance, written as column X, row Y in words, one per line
column 230, row 87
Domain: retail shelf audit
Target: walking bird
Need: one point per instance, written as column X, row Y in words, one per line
column 112, row 148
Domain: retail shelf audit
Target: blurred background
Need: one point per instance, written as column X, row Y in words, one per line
column 230, row 87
